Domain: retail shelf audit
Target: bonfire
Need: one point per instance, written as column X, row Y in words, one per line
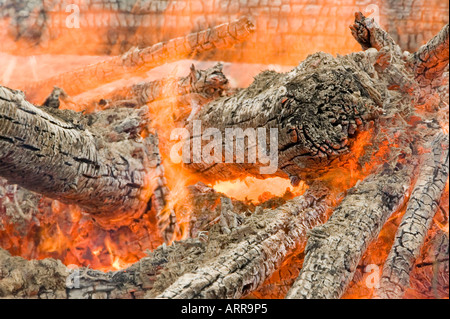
column 164, row 170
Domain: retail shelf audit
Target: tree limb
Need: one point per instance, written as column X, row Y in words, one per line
column 244, row 266
column 317, row 110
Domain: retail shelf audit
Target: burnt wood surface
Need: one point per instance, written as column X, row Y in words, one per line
column 139, row 61
column 292, row 27
column 318, row 109
column 378, row 91
column 98, row 162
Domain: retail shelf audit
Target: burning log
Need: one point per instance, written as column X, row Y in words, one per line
column 139, row 61
column 431, row 60
column 324, row 110
column 318, row 109
column 263, row 241
column 198, row 88
column 78, row 159
column 24, row 279
column 114, row 26
column 430, row 275
column 422, row 206
column 258, row 245
column 334, row 249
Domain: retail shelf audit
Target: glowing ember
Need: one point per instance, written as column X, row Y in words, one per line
column 257, row 190
column 67, row 233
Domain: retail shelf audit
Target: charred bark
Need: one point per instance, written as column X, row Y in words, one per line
column 411, row 233
column 316, row 110
column 98, row 162
column 431, row 60
column 319, row 109
column 246, row 264
column 139, row 61
column 334, row 249
column 291, row 27
column 253, row 247
column 50, row 279
column 430, row 275
column 196, row 89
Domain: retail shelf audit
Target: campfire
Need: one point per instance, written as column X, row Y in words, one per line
column 224, row 149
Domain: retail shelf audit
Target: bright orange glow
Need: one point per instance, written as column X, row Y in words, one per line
column 441, row 219
column 258, row 190
column 346, row 173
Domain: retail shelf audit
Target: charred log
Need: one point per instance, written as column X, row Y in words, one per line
column 292, row 27
column 257, row 244
column 196, row 89
column 320, row 109
column 316, row 110
column 255, row 253
column 411, row 233
column 139, row 61
column 98, row 162
column 431, row 60
column 430, row 275
column 334, row 249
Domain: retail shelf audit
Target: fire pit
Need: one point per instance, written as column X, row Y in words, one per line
column 134, row 164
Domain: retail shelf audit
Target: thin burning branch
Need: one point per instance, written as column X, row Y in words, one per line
column 139, row 61
column 422, row 206
column 335, row 248
column 17, row 203
column 78, row 159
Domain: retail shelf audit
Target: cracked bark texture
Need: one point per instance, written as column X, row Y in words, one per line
column 431, row 60
column 246, row 264
column 291, row 26
column 98, row 162
column 422, row 206
column 318, row 109
column 40, row 227
column 276, row 230
column 139, row 61
column 50, row 279
column 335, row 248
column 194, row 90
column 430, row 275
